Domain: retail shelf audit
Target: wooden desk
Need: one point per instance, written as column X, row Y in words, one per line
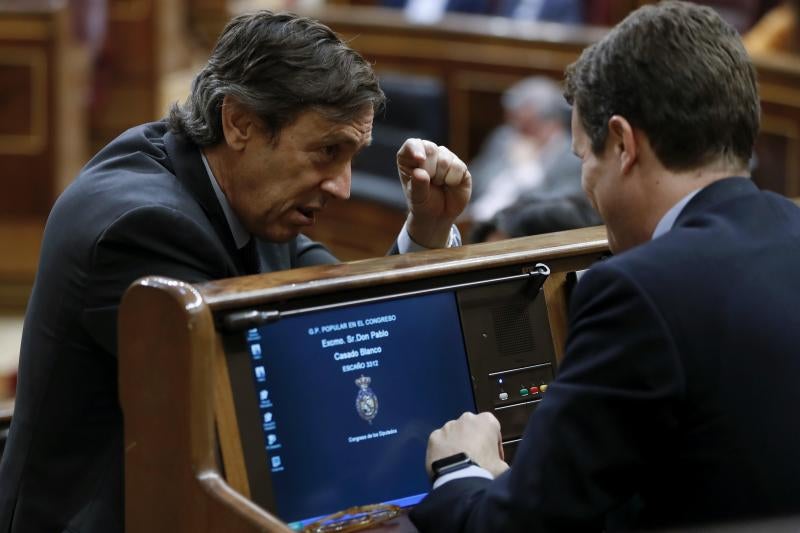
column 173, row 397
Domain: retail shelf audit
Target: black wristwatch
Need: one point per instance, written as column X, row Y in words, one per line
column 451, row 463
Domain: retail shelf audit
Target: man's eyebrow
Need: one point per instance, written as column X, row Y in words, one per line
column 339, row 136
column 344, row 138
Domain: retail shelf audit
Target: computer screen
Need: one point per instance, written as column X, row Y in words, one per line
column 347, row 397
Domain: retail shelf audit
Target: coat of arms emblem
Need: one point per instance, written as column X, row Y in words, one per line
column 366, row 401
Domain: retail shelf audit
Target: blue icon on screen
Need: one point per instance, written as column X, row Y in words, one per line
column 255, row 350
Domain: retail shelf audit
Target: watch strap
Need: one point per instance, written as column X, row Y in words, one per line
column 451, row 463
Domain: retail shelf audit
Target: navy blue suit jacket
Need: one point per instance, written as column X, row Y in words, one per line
column 143, row 206
column 678, row 390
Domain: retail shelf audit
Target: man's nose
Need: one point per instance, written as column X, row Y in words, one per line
column 339, row 185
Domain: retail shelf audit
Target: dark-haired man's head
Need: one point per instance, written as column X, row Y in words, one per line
column 280, row 110
column 669, row 91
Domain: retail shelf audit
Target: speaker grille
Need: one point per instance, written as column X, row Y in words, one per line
column 512, row 329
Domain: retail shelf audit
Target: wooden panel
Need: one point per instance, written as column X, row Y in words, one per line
column 245, row 291
column 20, row 241
column 206, row 19
column 39, row 145
column 146, row 40
column 778, row 146
column 172, row 482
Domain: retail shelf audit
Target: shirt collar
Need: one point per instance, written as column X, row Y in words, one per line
column 240, row 235
column 668, row 220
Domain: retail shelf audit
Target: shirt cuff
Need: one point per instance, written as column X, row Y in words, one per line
column 470, row 471
column 406, row 244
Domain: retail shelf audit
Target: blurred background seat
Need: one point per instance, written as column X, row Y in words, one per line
column 416, row 107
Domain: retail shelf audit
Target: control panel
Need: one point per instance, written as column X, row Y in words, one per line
column 510, row 349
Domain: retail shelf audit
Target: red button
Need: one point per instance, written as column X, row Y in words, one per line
column 534, row 390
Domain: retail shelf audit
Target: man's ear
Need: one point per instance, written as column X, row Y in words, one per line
column 238, row 125
column 623, row 142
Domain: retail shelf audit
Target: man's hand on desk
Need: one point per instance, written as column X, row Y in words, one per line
column 476, row 435
column 437, row 186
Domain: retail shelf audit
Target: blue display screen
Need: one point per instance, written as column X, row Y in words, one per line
column 348, row 396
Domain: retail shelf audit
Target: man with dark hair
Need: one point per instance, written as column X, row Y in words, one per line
column 673, row 403
column 222, row 188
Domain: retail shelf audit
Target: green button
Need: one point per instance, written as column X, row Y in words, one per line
column 523, row 392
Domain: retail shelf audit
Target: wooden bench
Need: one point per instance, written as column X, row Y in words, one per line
column 175, row 393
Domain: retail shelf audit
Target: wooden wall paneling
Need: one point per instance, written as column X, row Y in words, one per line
column 778, row 145
column 777, row 154
column 125, row 75
column 26, row 146
column 20, row 241
column 73, row 76
column 42, row 84
column 146, row 40
column 206, row 19
column 43, row 135
column 477, row 108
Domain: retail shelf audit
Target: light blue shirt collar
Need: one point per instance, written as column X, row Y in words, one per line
column 240, row 235
column 669, row 218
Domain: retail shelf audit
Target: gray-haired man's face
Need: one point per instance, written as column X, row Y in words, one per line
column 276, row 189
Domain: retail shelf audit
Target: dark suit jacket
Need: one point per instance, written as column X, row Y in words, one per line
column 678, row 390
column 143, row 206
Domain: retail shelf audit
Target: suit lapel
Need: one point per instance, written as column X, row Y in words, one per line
column 191, row 173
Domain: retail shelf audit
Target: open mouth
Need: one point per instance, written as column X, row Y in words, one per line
column 308, row 213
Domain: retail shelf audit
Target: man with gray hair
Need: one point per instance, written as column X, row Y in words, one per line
column 221, row 188
column 529, row 155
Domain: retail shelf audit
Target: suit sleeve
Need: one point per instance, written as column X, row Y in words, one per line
column 605, row 418
column 309, row 253
column 147, row 241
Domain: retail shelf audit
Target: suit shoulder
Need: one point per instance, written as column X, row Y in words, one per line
column 133, row 171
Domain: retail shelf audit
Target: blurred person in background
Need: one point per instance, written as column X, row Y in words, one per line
column 529, row 155
column 535, row 215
